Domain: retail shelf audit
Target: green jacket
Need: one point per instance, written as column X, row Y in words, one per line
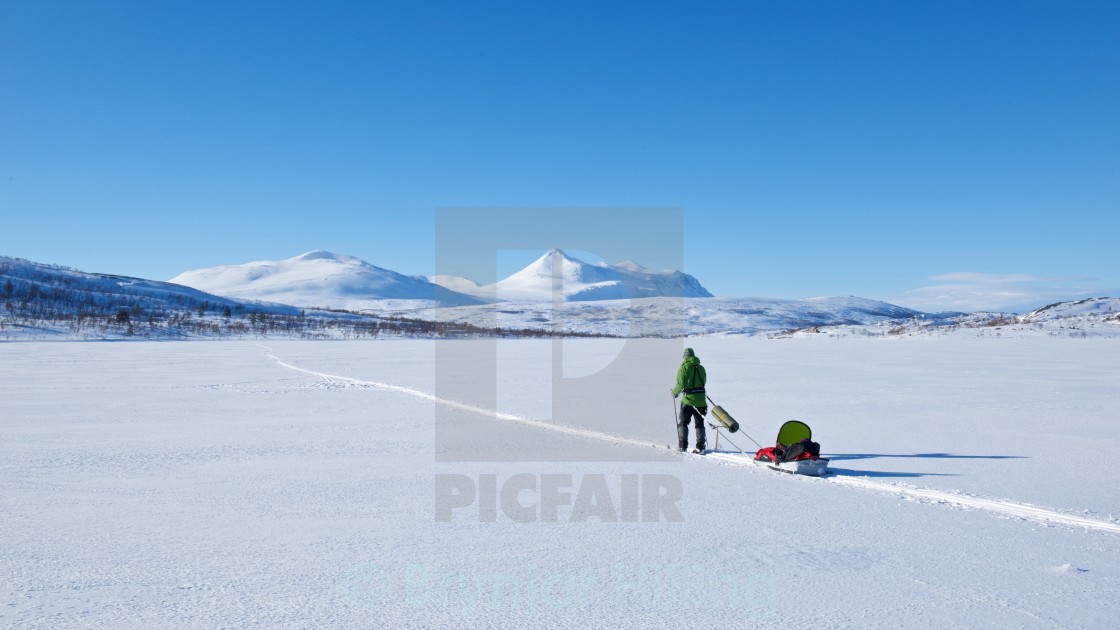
column 691, row 375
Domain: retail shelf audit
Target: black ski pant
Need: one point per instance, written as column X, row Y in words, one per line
column 688, row 413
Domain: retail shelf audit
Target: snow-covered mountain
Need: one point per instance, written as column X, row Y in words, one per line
column 76, row 291
column 672, row 317
column 1102, row 307
column 48, row 301
column 39, row 300
column 1092, row 317
column 832, row 316
column 573, row 280
column 323, row 279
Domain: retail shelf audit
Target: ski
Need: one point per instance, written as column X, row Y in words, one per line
column 685, row 452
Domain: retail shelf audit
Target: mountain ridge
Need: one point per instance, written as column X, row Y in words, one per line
column 321, row 279
column 556, row 275
column 51, row 301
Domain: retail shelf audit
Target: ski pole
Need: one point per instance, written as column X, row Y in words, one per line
column 674, row 408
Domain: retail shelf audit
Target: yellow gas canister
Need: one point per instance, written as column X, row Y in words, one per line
column 725, row 418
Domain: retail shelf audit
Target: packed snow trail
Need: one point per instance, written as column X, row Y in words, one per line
column 1008, row 508
column 491, row 413
column 997, row 506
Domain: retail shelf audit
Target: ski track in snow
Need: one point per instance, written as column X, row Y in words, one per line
column 1001, row 506
column 998, row 506
column 331, row 378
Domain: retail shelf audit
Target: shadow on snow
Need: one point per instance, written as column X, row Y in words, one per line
column 843, row 472
column 848, row 472
column 843, row 456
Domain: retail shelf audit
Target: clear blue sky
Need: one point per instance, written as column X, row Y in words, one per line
column 926, row 152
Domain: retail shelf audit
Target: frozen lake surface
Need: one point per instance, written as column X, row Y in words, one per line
column 306, row 484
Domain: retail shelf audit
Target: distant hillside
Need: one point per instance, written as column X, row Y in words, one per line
column 1093, row 317
column 1093, row 308
column 672, row 317
column 39, row 301
column 49, row 300
column 321, row 279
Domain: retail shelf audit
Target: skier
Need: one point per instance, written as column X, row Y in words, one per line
column 690, row 381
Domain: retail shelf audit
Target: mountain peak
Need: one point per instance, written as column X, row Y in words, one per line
column 577, row 280
column 322, row 254
column 557, row 253
column 630, row 265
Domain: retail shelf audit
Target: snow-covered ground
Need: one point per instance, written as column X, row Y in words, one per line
column 304, row 484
